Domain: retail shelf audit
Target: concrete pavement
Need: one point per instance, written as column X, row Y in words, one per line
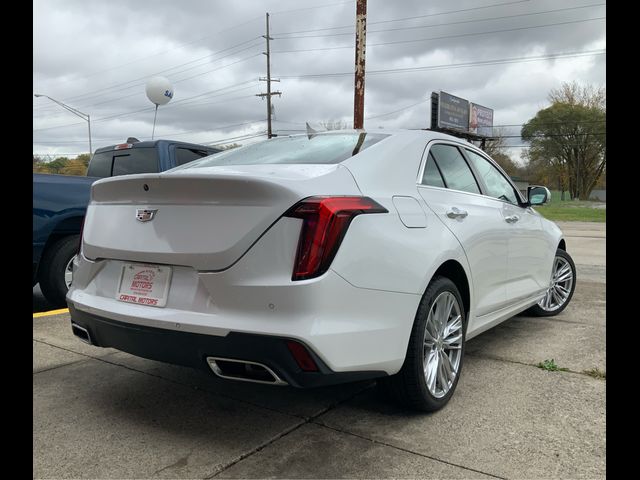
column 99, row 413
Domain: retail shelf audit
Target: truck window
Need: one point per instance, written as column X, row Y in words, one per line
column 186, row 155
column 100, row 165
column 135, row 160
column 123, row 162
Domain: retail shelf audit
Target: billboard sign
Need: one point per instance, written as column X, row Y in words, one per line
column 480, row 120
column 453, row 112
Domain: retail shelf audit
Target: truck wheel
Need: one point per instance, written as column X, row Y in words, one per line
column 54, row 274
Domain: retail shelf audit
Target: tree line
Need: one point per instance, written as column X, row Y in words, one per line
column 62, row 165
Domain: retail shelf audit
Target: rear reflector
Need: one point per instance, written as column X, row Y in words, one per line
column 325, row 222
column 302, row 356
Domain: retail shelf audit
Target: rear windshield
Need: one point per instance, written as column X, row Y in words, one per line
column 123, row 162
column 299, row 149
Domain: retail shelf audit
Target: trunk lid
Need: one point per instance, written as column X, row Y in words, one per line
column 205, row 218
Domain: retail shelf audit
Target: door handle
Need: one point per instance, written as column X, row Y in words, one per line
column 455, row 212
column 512, row 218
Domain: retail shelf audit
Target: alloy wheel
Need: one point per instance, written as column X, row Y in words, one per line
column 561, row 285
column 442, row 345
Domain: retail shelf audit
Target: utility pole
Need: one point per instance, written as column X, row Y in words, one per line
column 268, row 79
column 361, row 42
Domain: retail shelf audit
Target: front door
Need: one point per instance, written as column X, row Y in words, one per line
column 527, row 265
column 450, row 189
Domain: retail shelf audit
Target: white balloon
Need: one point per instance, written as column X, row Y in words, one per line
column 159, row 90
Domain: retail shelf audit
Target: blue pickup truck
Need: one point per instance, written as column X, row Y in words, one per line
column 60, row 203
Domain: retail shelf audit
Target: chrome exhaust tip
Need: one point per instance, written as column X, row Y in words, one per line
column 243, row 370
column 81, row 332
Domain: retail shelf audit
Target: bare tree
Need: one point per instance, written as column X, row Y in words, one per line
column 497, row 150
column 589, row 96
column 334, row 125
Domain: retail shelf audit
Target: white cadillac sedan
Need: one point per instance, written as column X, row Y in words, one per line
column 314, row 260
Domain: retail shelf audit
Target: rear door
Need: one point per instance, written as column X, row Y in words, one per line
column 448, row 186
column 527, row 268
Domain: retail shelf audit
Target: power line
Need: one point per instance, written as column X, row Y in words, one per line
column 413, row 17
column 460, row 35
column 123, row 114
column 192, row 42
column 455, row 65
column 91, row 95
column 399, row 110
column 165, row 51
column 172, row 134
column 444, row 24
column 241, row 137
column 310, row 8
column 180, row 133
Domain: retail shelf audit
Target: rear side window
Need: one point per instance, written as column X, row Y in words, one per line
column 298, row 149
column 454, row 168
column 186, row 155
column 123, row 162
column 431, row 174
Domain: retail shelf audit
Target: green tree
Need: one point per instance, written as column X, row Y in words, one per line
column 75, row 167
column 568, row 141
column 84, row 158
column 57, row 165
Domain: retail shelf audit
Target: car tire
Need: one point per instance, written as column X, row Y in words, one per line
column 409, row 386
column 561, row 260
column 53, row 267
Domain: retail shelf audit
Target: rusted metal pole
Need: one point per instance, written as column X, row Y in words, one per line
column 361, row 42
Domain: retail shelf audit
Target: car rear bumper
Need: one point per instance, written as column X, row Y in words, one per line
column 193, row 349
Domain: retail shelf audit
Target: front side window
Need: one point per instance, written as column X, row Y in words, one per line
column 455, row 171
column 497, row 186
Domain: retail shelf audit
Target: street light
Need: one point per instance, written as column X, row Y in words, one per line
column 84, row 116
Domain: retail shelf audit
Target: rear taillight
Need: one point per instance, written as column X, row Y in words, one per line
column 325, row 222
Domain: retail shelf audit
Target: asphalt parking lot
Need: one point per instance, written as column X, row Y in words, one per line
column 99, row 413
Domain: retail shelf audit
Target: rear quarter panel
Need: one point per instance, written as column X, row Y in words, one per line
column 379, row 251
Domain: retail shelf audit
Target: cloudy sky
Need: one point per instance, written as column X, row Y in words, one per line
column 96, row 56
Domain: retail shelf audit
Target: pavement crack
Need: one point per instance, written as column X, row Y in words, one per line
column 181, row 462
column 406, row 450
column 286, row 432
column 35, row 372
column 506, row 360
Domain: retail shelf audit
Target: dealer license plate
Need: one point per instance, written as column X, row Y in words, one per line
column 144, row 284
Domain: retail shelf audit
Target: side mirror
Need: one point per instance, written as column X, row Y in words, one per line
column 538, row 195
